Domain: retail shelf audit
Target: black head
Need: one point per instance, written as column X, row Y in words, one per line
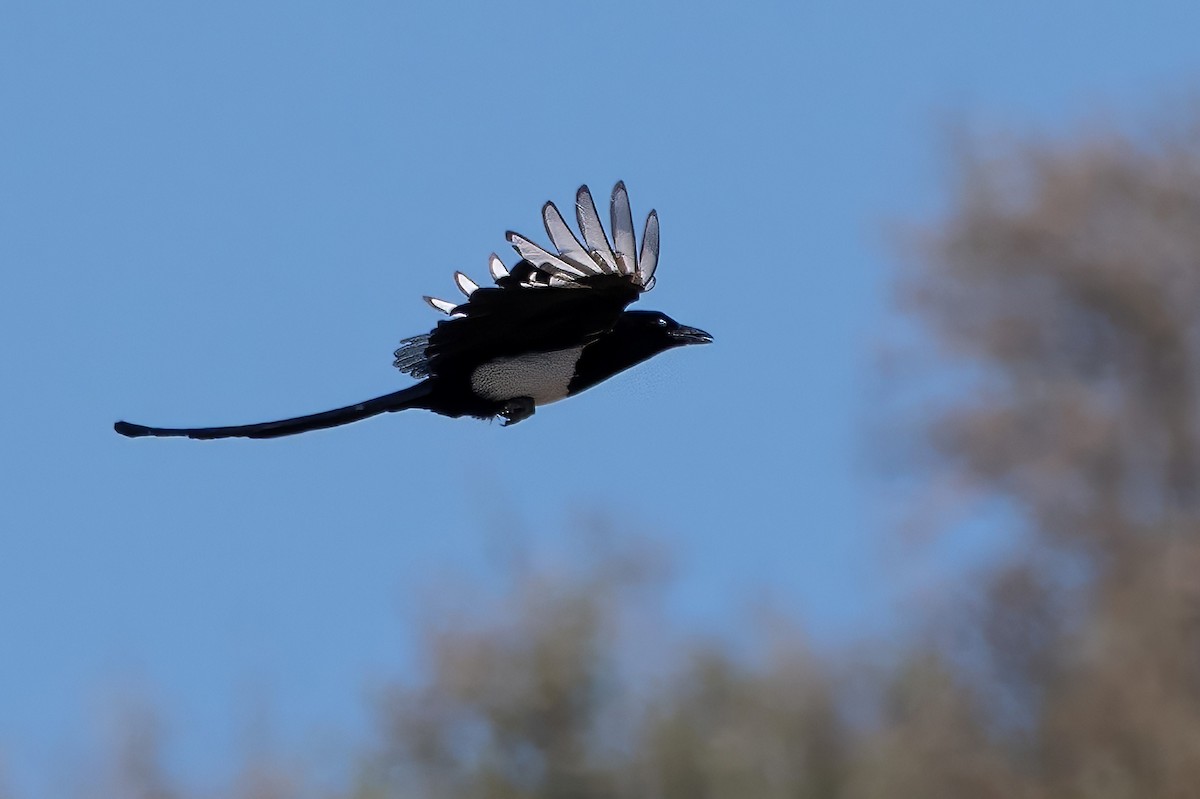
column 656, row 331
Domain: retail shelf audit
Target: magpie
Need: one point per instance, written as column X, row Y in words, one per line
column 554, row 325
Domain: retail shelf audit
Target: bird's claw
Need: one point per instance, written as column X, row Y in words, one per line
column 516, row 409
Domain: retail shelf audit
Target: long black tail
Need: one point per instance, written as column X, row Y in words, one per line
column 411, row 397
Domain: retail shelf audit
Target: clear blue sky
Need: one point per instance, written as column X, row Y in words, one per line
column 227, row 212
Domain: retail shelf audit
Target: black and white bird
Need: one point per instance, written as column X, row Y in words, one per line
column 552, row 326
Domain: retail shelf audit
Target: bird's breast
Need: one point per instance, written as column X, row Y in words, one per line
column 544, row 376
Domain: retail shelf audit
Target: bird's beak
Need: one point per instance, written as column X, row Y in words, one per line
column 691, row 335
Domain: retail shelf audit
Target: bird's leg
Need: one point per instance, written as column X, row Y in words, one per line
column 516, row 409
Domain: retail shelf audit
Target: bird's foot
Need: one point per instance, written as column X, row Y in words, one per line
column 516, row 409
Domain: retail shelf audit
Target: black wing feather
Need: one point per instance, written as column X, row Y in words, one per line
column 506, row 322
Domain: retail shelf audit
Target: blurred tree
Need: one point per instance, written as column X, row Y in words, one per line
column 1066, row 281
column 540, row 706
column 1069, row 278
column 728, row 729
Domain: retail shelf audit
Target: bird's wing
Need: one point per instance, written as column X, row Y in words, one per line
column 547, row 301
column 596, row 255
column 506, row 322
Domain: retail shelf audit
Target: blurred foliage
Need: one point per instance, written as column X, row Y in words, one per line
column 1063, row 285
column 1066, row 282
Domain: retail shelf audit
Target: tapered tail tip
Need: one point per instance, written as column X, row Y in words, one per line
column 131, row 430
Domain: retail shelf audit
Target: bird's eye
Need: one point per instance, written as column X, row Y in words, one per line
column 662, row 322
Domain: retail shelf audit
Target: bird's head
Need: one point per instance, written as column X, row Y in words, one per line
column 654, row 331
column 637, row 336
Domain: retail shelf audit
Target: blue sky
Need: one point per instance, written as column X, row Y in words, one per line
column 225, row 212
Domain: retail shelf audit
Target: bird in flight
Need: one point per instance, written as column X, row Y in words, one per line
column 551, row 327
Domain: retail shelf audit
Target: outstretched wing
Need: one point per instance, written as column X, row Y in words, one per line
column 548, row 301
column 596, row 255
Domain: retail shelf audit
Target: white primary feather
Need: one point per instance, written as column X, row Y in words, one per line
column 649, row 260
column 465, row 284
column 541, row 259
column 497, row 268
column 624, row 243
column 565, row 242
column 444, row 306
column 593, row 231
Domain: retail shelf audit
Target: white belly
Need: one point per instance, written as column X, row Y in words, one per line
column 544, row 376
